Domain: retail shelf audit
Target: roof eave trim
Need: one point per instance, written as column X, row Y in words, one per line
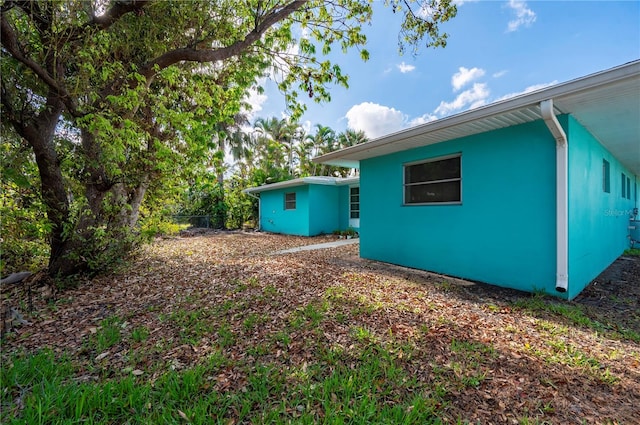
column 522, row 101
column 320, row 180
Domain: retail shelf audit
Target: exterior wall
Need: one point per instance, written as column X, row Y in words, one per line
column 503, row 232
column 598, row 221
column 344, row 208
column 324, row 209
column 274, row 218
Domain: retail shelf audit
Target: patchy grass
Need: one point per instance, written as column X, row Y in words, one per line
column 634, row 252
column 576, row 315
column 228, row 334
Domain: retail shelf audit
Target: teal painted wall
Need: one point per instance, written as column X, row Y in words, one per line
column 324, row 209
column 598, row 221
column 503, row 232
column 274, row 218
column 343, row 207
column 320, row 209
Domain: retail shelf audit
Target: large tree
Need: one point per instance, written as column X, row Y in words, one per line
column 138, row 81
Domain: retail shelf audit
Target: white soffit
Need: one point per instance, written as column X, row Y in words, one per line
column 607, row 104
column 321, row 180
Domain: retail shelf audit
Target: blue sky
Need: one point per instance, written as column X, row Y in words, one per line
column 495, row 49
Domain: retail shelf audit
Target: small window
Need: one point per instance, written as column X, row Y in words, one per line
column 606, row 176
column 437, row 181
column 290, row 201
column 628, row 188
column 624, row 190
column 354, row 202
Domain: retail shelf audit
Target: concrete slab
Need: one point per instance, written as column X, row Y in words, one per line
column 326, row 245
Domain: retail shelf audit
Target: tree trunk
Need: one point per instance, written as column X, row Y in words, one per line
column 40, row 136
column 220, row 212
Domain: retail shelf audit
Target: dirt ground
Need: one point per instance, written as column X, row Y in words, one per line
column 534, row 374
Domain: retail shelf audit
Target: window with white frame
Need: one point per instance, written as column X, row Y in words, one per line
column 434, row 181
column 354, row 202
column 290, row 201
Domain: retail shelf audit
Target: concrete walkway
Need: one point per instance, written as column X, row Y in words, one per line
column 333, row 244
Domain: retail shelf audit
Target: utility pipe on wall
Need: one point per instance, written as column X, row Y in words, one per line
column 562, row 195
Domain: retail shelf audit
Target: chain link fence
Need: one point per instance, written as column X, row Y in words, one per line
column 194, row 221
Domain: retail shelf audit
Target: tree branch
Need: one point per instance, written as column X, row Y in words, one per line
column 211, row 55
column 119, row 8
column 9, row 113
column 10, row 42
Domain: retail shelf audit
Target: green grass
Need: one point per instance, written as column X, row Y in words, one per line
column 192, row 324
column 368, row 388
column 574, row 315
column 107, row 335
column 308, row 316
column 558, row 351
column 635, row 252
column 139, row 334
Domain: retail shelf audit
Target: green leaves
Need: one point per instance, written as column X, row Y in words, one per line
column 145, row 87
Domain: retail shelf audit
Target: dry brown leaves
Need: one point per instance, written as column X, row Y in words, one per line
column 230, row 282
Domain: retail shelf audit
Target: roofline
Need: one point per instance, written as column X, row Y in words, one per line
column 570, row 87
column 321, row 180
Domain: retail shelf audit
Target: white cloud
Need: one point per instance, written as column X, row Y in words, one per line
column 461, row 2
column 423, row 119
column 374, row 119
column 472, row 98
column 528, row 90
column 464, row 76
column 255, row 99
column 404, row 68
column 524, row 15
column 379, row 120
column 500, row 73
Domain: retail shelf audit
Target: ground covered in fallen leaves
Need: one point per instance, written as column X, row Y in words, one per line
column 469, row 352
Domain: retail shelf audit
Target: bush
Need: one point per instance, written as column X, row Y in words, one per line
column 23, row 228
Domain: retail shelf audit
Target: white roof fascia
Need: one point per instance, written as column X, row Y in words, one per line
column 321, row 180
column 351, row 155
column 348, row 180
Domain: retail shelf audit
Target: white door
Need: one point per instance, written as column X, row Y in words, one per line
column 354, row 206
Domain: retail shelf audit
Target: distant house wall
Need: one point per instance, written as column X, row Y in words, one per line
column 274, row 218
column 502, row 233
column 343, row 207
column 598, row 221
column 324, row 203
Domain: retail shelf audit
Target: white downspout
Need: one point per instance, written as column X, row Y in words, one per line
column 562, row 195
column 259, row 210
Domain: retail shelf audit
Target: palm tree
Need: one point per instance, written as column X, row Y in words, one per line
column 281, row 131
column 324, row 141
column 225, row 137
column 349, row 138
column 305, row 152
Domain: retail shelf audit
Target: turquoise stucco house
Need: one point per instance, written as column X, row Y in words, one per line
column 536, row 192
column 308, row 206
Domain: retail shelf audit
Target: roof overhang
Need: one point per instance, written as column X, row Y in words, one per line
column 606, row 103
column 320, row 180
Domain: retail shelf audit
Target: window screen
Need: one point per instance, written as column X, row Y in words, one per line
column 354, row 202
column 434, row 181
column 290, row 201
